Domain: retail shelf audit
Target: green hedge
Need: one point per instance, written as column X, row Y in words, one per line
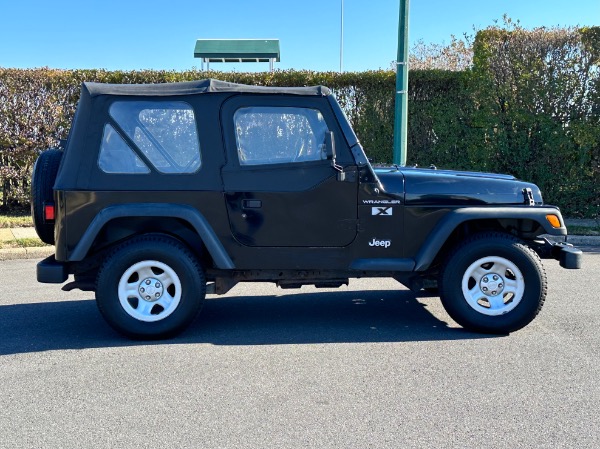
column 542, row 110
column 479, row 119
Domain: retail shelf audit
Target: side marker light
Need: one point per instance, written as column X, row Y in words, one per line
column 553, row 220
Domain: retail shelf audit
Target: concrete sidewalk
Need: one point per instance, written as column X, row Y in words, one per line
column 17, row 233
column 34, row 252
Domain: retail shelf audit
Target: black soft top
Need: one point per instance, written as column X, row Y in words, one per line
column 79, row 168
column 197, row 87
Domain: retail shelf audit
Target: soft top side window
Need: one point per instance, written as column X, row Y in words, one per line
column 163, row 131
column 278, row 135
column 116, row 156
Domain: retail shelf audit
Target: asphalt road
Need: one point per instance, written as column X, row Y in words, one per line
column 367, row 366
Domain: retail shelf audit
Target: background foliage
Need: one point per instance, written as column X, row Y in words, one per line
column 528, row 104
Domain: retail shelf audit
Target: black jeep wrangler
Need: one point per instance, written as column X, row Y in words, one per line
column 166, row 192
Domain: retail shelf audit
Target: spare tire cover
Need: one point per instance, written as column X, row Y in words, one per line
column 42, row 191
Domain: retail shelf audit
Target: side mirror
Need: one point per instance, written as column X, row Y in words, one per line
column 330, row 145
column 330, row 153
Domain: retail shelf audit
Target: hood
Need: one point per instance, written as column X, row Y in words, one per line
column 447, row 187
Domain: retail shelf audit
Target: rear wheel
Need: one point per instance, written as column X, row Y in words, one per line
column 493, row 283
column 150, row 287
column 42, row 191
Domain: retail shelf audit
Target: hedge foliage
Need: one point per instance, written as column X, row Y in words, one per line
column 530, row 106
column 542, row 111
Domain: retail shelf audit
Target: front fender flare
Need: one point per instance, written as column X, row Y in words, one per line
column 181, row 211
column 440, row 233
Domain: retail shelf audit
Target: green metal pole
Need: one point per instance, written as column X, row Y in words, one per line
column 401, row 107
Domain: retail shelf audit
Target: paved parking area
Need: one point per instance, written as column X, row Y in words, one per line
column 365, row 366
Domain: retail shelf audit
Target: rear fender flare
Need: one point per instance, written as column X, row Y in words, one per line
column 181, row 211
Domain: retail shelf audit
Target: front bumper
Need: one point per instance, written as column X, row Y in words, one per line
column 568, row 256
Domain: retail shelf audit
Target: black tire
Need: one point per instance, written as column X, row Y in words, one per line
column 42, row 191
column 176, row 280
column 493, row 283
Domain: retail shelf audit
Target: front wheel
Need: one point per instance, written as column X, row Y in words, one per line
column 150, row 287
column 493, row 283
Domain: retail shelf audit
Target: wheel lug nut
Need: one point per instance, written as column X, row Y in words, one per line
column 148, row 297
column 142, row 289
column 485, row 279
column 157, row 295
column 147, row 281
column 495, row 277
column 485, row 289
column 494, row 292
column 157, row 285
column 500, row 285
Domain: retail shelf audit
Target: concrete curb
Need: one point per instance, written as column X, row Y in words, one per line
column 578, row 240
column 38, row 252
column 584, row 240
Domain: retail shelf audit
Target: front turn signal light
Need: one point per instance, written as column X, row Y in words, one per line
column 553, row 220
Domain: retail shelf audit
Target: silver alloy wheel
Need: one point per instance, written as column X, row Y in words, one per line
column 149, row 291
column 493, row 285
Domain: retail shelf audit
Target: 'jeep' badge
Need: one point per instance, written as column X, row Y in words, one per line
column 384, row 243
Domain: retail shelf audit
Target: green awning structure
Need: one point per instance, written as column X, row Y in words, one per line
column 237, row 50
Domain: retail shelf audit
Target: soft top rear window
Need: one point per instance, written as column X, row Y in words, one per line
column 164, row 132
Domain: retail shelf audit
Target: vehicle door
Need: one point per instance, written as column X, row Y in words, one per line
column 281, row 188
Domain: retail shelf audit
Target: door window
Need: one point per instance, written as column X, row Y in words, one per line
column 278, row 135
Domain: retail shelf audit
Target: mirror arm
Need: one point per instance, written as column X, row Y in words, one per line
column 330, row 146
